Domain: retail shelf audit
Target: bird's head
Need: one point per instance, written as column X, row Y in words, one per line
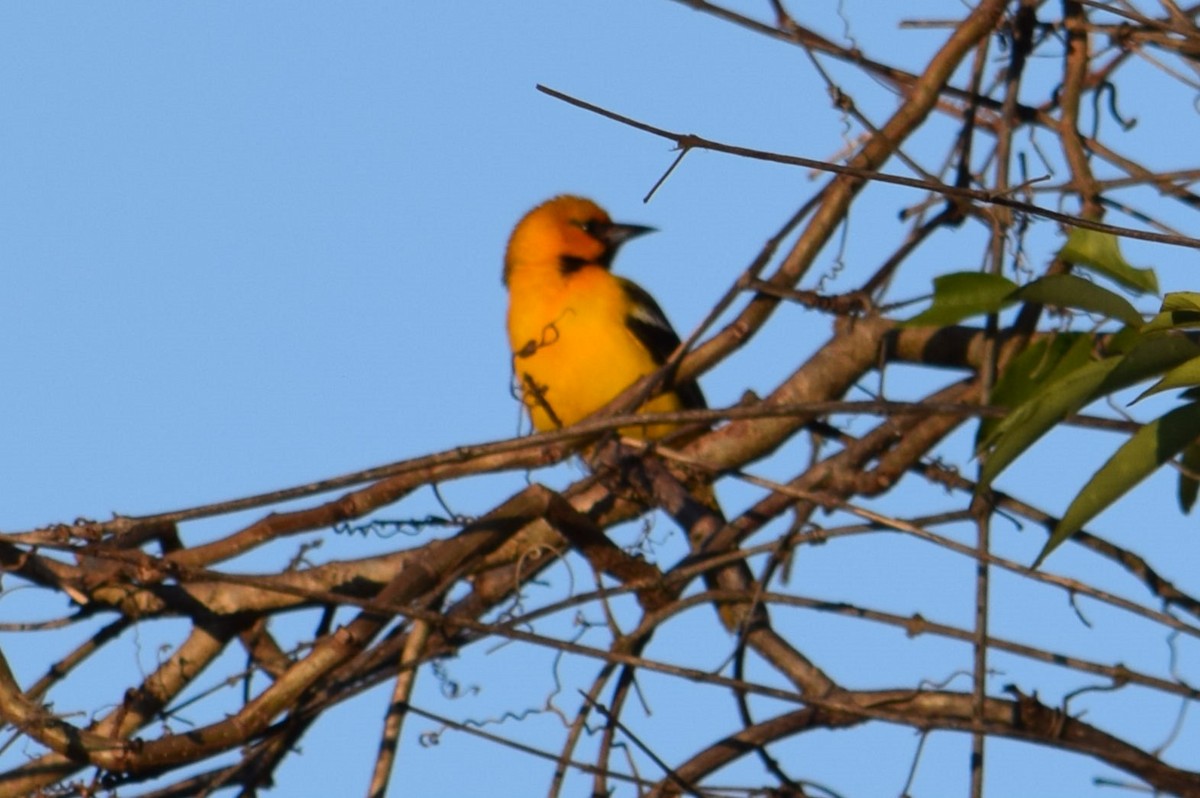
column 566, row 233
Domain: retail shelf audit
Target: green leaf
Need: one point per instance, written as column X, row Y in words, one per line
column 1068, row 394
column 1021, row 428
column 959, row 295
column 1153, row 355
column 1070, row 291
column 1101, row 252
column 1182, row 376
column 1141, row 455
column 1049, row 359
column 1180, row 310
column 1044, row 361
column 1189, row 486
column 1181, row 300
column 1173, row 320
column 1125, row 339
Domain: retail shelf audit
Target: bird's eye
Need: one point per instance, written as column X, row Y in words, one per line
column 593, row 227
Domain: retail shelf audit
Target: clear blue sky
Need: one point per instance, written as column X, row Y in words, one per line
column 250, row 245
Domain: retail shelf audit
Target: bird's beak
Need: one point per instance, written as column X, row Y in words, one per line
column 618, row 234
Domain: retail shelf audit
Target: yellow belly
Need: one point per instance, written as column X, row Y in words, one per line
column 570, row 340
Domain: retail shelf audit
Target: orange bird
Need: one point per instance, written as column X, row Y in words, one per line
column 580, row 334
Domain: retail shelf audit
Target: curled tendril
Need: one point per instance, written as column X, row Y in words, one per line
column 1111, row 89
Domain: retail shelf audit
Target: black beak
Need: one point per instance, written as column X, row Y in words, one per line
column 618, row 234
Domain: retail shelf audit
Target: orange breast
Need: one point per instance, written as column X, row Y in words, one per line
column 572, row 343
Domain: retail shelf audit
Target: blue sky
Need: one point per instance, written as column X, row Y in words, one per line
column 250, row 245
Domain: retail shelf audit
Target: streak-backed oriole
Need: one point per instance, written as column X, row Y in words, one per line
column 580, row 334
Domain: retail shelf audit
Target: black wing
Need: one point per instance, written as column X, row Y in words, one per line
column 649, row 325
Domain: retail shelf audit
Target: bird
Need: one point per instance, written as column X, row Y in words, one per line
column 580, row 334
